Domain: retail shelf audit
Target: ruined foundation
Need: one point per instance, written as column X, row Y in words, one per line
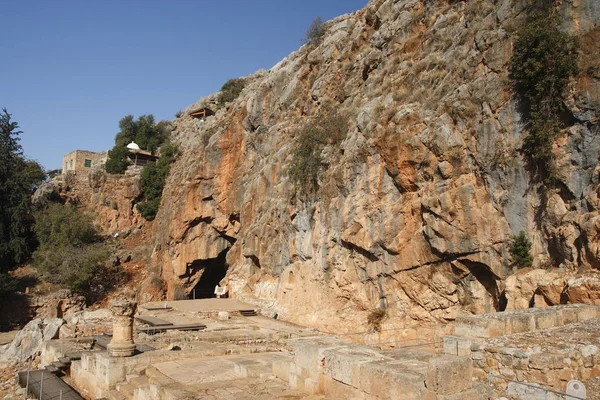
column 232, row 358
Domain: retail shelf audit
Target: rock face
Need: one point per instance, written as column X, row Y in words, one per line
column 29, row 341
column 416, row 203
column 111, row 198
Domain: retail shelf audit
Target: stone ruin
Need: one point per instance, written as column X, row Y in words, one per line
column 258, row 357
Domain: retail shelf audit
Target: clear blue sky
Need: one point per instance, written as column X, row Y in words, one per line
column 72, row 69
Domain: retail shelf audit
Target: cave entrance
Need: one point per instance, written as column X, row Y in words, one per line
column 214, row 270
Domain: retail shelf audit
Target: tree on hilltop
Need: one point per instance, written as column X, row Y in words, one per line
column 144, row 131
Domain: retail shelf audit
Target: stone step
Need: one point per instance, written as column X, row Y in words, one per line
column 61, row 365
column 156, row 377
column 253, row 369
column 125, row 389
column 52, row 369
column 138, row 381
column 114, row 395
column 64, row 360
column 248, row 313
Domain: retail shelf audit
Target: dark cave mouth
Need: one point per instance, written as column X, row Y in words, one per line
column 214, row 270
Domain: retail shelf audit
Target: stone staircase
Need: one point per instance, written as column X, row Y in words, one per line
column 248, row 313
column 153, row 385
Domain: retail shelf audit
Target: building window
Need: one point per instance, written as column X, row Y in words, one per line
column 70, row 164
column 87, row 163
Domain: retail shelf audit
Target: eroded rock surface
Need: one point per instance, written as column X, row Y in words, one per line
column 418, row 202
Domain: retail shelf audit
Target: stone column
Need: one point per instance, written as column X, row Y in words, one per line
column 122, row 344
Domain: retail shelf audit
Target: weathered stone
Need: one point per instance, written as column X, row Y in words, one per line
column 29, row 341
column 431, row 142
column 458, row 346
column 121, row 344
column 449, row 374
column 585, row 290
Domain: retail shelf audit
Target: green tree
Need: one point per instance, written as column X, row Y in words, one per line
column 71, row 252
column 118, row 160
column 152, row 181
column 144, row 131
column 18, row 177
column 543, row 62
column 315, row 32
column 521, row 250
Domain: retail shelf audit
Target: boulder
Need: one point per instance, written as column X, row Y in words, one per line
column 29, row 341
column 521, row 287
column 584, row 289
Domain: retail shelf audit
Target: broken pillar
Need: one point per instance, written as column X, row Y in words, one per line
column 122, row 344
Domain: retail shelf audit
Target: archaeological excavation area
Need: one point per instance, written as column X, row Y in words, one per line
column 224, row 349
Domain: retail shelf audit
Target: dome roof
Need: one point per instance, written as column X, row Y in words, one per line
column 133, row 146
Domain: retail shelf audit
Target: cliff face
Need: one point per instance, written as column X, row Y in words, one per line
column 418, row 202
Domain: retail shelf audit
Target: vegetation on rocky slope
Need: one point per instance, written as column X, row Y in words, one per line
column 152, row 181
column 231, row 90
column 307, row 161
column 70, row 252
column 544, row 60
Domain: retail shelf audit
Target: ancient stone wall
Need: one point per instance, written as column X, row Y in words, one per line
column 341, row 371
column 548, row 346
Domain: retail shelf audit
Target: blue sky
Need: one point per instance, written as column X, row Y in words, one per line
column 72, row 69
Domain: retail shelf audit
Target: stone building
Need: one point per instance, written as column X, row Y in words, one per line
column 81, row 160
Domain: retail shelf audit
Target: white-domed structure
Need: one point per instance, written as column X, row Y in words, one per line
column 133, row 146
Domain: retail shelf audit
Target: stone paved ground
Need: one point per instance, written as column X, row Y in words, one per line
column 224, row 377
column 250, row 389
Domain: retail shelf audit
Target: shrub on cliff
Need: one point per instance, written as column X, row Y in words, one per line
column 231, row 90
column 315, row 32
column 70, row 252
column 521, row 250
column 152, row 181
column 307, row 162
column 376, row 318
column 544, row 60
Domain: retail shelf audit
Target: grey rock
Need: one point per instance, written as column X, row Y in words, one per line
column 29, row 341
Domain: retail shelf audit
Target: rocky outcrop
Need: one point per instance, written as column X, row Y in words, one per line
column 29, row 341
column 417, row 202
column 111, row 198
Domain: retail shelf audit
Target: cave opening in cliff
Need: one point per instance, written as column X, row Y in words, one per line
column 213, row 270
column 488, row 280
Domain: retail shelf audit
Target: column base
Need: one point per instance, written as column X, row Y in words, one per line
column 121, row 349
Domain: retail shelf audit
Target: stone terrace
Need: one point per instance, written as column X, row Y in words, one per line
column 547, row 346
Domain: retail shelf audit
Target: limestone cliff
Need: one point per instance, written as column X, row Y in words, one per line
column 418, row 202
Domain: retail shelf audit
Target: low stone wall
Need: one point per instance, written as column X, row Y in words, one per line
column 547, row 346
column 510, row 322
column 552, row 368
column 340, row 370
